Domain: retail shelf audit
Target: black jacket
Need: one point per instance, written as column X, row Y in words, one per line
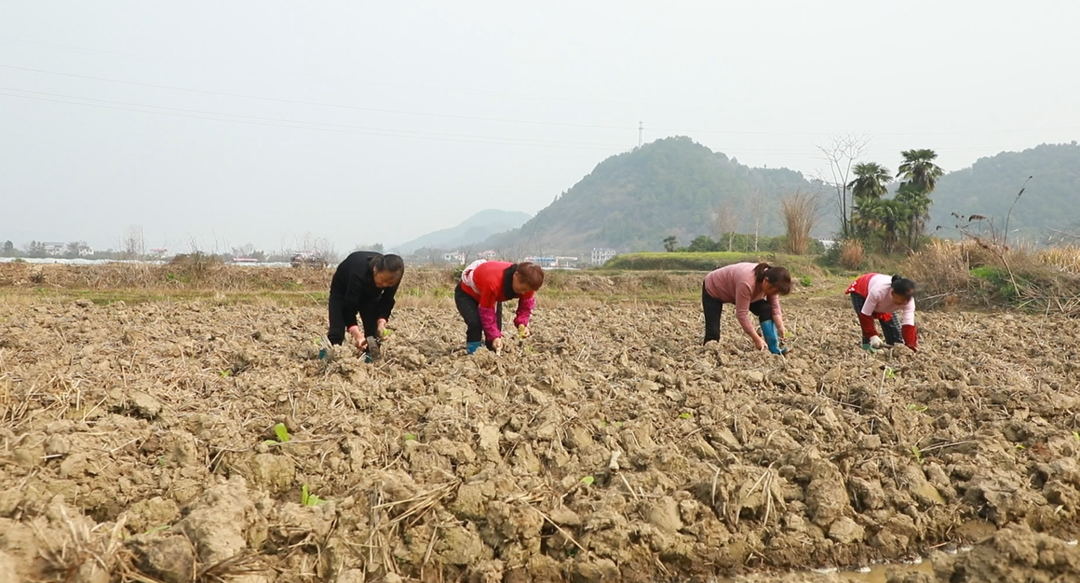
column 354, row 281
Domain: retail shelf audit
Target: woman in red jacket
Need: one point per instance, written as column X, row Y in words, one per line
column 484, row 286
column 877, row 296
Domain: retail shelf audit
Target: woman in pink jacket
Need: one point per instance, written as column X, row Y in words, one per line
column 752, row 288
column 877, row 296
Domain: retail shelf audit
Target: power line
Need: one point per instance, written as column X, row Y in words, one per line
column 670, row 131
column 296, row 124
column 312, row 75
column 314, row 103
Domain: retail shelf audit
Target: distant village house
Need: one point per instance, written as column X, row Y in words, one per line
column 456, row 257
column 601, row 255
column 54, row 249
column 557, row 262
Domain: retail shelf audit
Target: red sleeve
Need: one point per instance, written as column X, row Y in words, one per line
column 867, row 325
column 911, row 337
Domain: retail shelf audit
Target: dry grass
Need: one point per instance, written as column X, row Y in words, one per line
column 976, row 272
column 801, row 213
column 230, row 283
column 1066, row 259
column 852, row 254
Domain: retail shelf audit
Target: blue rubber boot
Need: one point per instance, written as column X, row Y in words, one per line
column 471, row 347
column 772, row 338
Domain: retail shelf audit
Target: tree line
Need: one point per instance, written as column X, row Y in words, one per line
column 888, row 224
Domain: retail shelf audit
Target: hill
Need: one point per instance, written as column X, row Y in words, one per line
column 990, row 186
column 472, row 230
column 633, row 200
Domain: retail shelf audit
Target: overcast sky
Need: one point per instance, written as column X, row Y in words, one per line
column 224, row 123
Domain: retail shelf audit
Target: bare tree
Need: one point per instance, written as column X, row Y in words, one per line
column 802, row 211
column 317, row 247
column 132, row 244
column 245, row 250
column 727, row 216
column 841, row 155
column 755, row 208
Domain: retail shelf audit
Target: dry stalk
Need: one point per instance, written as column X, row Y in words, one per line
column 557, row 527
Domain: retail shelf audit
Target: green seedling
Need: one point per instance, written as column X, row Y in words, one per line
column 521, row 331
column 410, row 437
column 1076, row 435
column 1020, row 447
column 588, row 480
column 686, row 415
column 225, row 373
column 156, row 529
column 918, row 454
column 308, row 499
column 890, row 373
column 387, row 332
column 281, row 433
column 916, row 407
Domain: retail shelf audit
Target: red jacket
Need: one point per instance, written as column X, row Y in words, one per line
column 491, row 282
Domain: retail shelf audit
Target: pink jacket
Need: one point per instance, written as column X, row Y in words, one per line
column 735, row 284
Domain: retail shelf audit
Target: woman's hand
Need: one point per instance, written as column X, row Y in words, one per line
column 358, row 337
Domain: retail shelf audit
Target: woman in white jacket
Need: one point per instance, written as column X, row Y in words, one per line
column 881, row 297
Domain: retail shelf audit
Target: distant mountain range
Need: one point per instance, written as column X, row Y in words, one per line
column 677, row 187
column 673, row 186
column 1050, row 203
column 470, row 232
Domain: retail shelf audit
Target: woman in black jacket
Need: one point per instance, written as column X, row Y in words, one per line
column 364, row 283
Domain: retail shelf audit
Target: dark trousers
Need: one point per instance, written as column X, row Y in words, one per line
column 714, row 307
column 369, row 318
column 469, row 309
column 893, row 334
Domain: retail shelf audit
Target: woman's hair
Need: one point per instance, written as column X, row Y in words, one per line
column 780, row 277
column 531, row 275
column 392, row 264
column 904, row 287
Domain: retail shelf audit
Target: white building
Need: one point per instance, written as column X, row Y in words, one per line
column 601, row 255
column 489, row 255
column 454, row 257
column 54, row 249
column 557, row 262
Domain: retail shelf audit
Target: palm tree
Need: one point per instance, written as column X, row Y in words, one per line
column 867, row 189
column 893, row 216
column 919, row 169
column 920, row 176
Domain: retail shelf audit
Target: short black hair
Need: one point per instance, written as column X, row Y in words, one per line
column 389, row 264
